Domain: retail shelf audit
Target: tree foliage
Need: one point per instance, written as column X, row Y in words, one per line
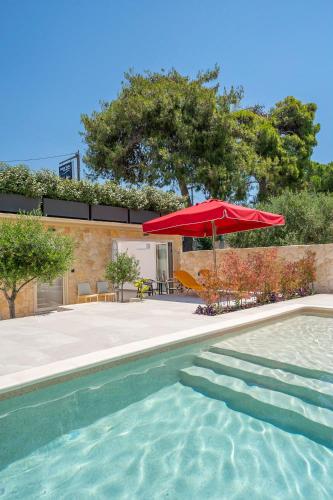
column 29, row 251
column 283, row 140
column 308, row 220
column 319, row 177
column 168, row 129
column 121, row 270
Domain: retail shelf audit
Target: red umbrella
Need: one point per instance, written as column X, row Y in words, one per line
column 210, row 218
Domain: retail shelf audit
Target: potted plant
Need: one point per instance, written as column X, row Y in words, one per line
column 122, row 270
column 141, row 287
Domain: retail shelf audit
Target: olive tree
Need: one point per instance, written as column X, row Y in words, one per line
column 30, row 251
column 308, row 221
column 122, row 270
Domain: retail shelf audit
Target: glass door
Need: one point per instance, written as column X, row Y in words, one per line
column 162, row 266
column 50, row 295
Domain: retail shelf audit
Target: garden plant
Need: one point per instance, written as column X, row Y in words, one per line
column 259, row 278
column 30, row 251
column 122, row 270
column 141, row 287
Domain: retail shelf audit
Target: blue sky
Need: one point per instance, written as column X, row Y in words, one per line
column 59, row 58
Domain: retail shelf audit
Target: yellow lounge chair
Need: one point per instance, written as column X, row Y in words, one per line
column 188, row 282
column 204, row 273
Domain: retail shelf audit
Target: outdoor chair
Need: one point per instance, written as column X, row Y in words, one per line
column 103, row 292
column 84, row 292
column 173, row 286
column 204, row 273
column 188, row 282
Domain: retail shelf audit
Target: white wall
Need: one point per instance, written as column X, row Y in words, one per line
column 145, row 253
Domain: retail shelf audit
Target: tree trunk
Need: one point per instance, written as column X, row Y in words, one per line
column 14, row 290
column 263, row 190
column 122, row 293
column 187, row 241
column 11, row 306
column 184, row 191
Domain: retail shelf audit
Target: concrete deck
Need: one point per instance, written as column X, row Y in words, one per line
column 38, row 347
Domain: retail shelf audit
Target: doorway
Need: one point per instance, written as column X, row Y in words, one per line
column 50, row 295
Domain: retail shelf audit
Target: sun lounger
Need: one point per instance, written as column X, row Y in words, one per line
column 187, row 281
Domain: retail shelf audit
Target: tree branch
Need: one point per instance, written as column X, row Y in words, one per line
column 20, row 287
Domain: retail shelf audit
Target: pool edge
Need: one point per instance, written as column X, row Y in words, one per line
column 18, row 383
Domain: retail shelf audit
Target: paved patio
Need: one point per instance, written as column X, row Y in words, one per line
column 82, row 328
column 86, row 328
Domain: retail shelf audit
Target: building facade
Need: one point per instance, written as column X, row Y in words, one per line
column 96, row 243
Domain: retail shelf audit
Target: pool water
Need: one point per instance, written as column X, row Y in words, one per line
column 193, row 423
column 311, row 344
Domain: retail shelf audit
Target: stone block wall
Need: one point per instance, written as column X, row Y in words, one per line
column 194, row 261
column 93, row 245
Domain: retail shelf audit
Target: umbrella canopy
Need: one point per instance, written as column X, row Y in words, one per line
column 196, row 221
column 210, row 218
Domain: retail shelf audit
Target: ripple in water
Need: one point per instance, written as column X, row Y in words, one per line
column 305, row 341
column 174, row 444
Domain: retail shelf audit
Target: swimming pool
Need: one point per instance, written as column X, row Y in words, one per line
column 239, row 416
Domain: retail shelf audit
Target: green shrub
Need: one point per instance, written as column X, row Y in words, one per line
column 158, row 198
column 135, row 198
column 48, row 181
column 111, row 194
column 124, row 268
column 309, row 218
column 21, row 180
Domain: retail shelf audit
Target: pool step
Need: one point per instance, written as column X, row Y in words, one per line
column 286, row 412
column 310, row 390
column 273, row 363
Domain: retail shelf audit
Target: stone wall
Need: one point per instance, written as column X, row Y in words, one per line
column 93, row 244
column 194, row 261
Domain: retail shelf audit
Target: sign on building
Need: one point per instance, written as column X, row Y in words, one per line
column 66, row 170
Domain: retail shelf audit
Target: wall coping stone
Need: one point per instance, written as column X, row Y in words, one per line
column 222, row 250
column 79, row 222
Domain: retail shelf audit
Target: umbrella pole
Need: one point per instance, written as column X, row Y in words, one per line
column 213, row 241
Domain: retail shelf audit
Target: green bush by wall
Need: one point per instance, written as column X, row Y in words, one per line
column 309, row 219
column 21, row 180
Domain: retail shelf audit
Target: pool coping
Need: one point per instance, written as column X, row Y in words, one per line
column 17, row 383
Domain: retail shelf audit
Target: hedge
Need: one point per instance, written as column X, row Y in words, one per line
column 21, row 180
